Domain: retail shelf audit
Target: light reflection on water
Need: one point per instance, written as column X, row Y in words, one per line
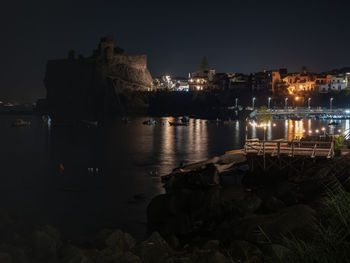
column 125, row 155
column 292, row 129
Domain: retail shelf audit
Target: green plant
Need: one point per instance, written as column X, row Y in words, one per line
column 339, row 142
column 330, row 241
column 264, row 115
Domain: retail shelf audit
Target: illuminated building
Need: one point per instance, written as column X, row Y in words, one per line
column 201, row 80
column 299, row 84
column 336, row 83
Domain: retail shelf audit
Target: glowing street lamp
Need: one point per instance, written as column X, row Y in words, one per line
column 330, row 103
column 254, row 102
column 269, row 102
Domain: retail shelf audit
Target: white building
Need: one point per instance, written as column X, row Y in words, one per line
column 337, row 83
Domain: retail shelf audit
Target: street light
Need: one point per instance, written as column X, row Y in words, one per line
column 268, row 102
column 254, row 102
column 308, row 102
column 330, row 103
column 286, row 102
column 236, row 102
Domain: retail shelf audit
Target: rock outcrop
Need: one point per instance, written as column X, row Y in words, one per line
column 247, row 224
column 90, row 88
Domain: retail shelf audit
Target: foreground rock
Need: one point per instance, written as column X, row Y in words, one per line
column 247, row 224
column 191, row 199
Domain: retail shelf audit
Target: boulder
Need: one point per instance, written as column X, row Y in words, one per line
column 18, row 255
column 73, row 254
column 212, row 245
column 251, row 203
column 209, row 256
column 180, row 211
column 128, row 257
column 108, row 255
column 255, row 228
column 5, row 258
column 120, row 240
column 100, row 240
column 244, row 207
column 243, row 251
column 173, row 241
column 154, row 250
column 274, row 252
column 273, row 204
column 203, row 177
column 288, row 192
column 45, row 246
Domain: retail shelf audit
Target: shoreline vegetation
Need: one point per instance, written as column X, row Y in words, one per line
column 215, row 211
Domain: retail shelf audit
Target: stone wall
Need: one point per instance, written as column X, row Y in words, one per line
column 80, row 88
column 134, row 61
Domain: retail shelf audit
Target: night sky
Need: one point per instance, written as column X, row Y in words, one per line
column 235, row 36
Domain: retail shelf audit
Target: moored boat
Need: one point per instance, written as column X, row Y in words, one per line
column 149, row 122
column 333, row 123
column 90, row 123
column 185, row 119
column 177, row 123
column 21, row 123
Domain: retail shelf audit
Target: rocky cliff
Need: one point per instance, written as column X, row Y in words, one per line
column 90, row 88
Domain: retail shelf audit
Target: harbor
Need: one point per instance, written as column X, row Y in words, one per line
column 307, row 113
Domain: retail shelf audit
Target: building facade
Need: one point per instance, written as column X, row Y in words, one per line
column 337, row 82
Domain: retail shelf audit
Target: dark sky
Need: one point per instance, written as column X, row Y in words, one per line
column 236, row 36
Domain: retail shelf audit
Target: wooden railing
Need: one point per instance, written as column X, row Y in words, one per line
column 290, row 148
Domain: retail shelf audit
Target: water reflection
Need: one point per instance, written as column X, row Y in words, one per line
column 269, row 131
column 182, row 144
column 293, row 129
column 286, row 129
column 237, row 131
column 346, row 130
column 124, row 154
column 254, row 128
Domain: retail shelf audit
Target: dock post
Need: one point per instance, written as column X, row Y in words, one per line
column 264, row 155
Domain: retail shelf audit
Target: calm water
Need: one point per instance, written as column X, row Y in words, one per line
column 80, row 203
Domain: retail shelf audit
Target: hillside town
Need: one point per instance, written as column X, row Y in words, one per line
column 278, row 82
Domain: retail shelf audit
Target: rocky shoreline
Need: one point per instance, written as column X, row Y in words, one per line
column 213, row 211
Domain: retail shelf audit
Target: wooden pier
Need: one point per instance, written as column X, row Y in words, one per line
column 295, row 155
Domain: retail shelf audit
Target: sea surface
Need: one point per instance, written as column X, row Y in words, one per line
column 105, row 179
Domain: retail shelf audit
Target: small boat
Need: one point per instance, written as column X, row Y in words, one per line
column 90, row 123
column 46, row 119
column 185, row 119
column 153, row 173
column 125, row 119
column 21, row 123
column 177, row 123
column 295, row 118
column 333, row 124
column 149, row 122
